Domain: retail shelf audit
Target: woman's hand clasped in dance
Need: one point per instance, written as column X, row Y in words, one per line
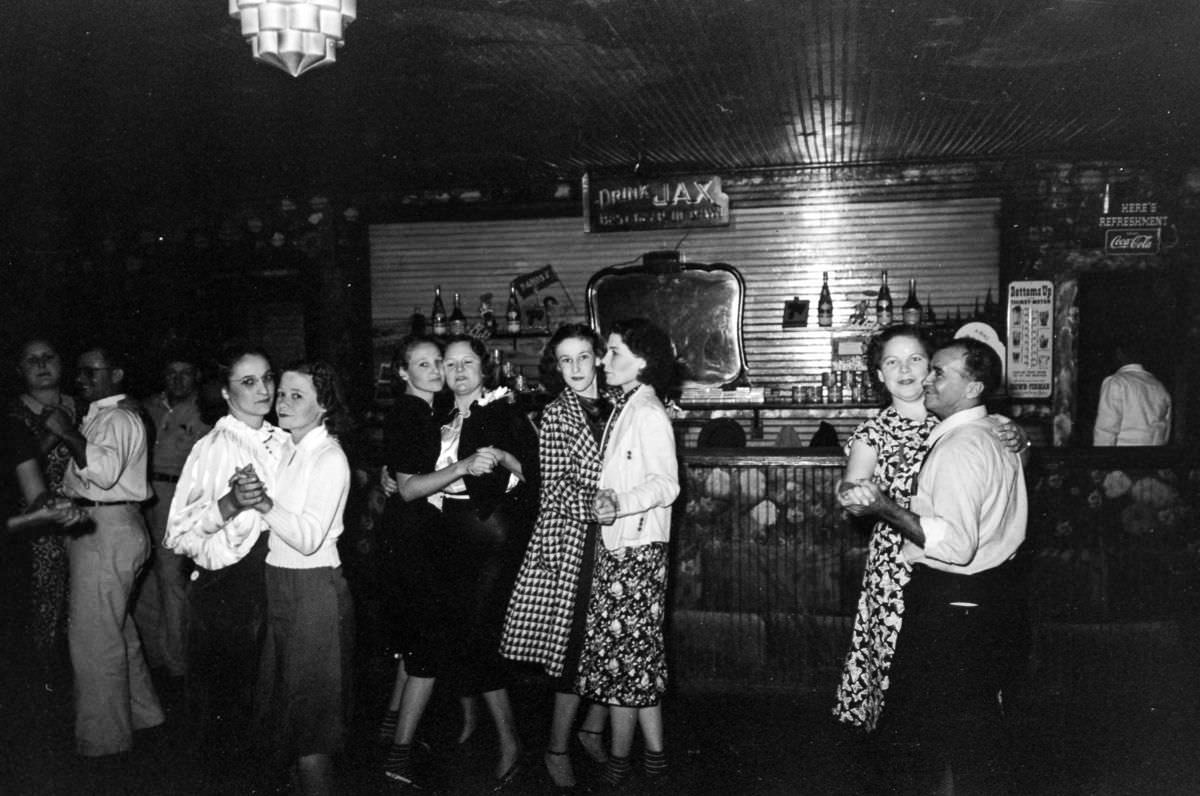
column 606, row 506
column 860, row 497
column 481, row 462
column 247, row 491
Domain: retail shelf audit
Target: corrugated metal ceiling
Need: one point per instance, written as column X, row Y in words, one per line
column 160, row 100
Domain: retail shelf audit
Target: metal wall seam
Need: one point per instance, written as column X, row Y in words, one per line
column 950, row 246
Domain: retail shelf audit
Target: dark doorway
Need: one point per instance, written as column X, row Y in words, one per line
column 1139, row 307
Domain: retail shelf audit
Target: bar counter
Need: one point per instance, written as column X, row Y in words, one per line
column 767, row 568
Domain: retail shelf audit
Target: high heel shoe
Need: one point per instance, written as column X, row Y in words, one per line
column 593, row 743
column 504, row 780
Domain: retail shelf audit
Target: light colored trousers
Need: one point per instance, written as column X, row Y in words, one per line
column 161, row 605
column 113, row 692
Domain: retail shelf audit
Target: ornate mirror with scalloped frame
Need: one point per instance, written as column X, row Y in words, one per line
column 699, row 305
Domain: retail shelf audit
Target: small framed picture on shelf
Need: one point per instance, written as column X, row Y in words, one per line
column 795, row 313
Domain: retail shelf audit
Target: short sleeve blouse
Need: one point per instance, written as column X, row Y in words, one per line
column 899, row 448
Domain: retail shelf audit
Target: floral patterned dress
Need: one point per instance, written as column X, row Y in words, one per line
column 899, row 444
column 48, row 553
column 624, row 658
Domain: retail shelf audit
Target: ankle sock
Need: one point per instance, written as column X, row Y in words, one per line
column 399, row 758
column 616, row 769
column 387, row 727
column 654, row 763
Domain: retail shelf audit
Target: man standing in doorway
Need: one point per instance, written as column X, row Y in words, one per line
column 963, row 616
column 161, row 606
column 1135, row 407
column 107, row 478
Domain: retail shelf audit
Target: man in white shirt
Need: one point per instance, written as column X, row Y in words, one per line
column 1135, row 407
column 107, row 479
column 963, row 606
column 162, row 602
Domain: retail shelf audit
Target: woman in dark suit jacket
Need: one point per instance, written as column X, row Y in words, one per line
column 488, row 519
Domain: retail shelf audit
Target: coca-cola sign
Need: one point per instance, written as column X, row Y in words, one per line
column 1132, row 241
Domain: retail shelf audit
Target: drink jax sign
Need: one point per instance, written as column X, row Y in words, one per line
column 612, row 204
column 1136, row 229
column 1030, row 339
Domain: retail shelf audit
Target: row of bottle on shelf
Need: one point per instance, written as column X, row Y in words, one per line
column 486, row 324
column 507, row 373
column 912, row 312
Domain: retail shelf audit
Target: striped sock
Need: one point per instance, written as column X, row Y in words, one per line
column 387, row 727
column 654, row 763
column 398, row 764
column 616, row 769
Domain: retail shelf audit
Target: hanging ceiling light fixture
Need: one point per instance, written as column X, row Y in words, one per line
column 294, row 35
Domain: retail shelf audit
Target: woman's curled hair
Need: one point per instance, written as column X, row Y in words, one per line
column 330, row 394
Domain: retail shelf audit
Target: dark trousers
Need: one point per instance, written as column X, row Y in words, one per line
column 226, row 626
column 958, row 648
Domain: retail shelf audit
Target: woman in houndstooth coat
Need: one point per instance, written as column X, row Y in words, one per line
column 545, row 620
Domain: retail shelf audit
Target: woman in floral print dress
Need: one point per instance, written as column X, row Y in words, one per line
column 889, row 449
column 40, row 367
column 623, row 662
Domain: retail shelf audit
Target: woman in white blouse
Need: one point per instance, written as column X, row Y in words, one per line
column 307, row 656
column 227, row 595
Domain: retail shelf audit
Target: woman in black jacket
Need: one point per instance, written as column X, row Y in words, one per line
column 488, row 520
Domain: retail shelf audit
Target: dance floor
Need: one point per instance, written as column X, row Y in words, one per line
column 1121, row 739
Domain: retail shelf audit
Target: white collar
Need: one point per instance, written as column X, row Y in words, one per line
column 105, row 403
column 960, row 418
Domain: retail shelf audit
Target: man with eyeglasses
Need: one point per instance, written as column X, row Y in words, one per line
column 107, row 478
column 162, row 599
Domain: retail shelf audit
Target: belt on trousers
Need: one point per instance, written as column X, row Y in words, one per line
column 170, row 479
column 85, row 503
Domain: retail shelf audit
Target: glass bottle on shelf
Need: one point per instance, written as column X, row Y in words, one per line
column 825, row 303
column 458, row 321
column 512, row 314
column 498, row 364
column 416, row 322
column 911, row 311
column 438, row 314
column 883, row 303
column 930, row 315
column 486, row 316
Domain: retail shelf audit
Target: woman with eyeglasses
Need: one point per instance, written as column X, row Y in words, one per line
column 227, row 596
column 40, row 367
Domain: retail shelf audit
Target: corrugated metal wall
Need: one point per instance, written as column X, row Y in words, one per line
column 951, row 247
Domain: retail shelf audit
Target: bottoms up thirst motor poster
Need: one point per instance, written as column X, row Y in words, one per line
column 1030, row 339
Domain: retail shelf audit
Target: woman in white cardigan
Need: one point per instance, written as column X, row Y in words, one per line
column 623, row 662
